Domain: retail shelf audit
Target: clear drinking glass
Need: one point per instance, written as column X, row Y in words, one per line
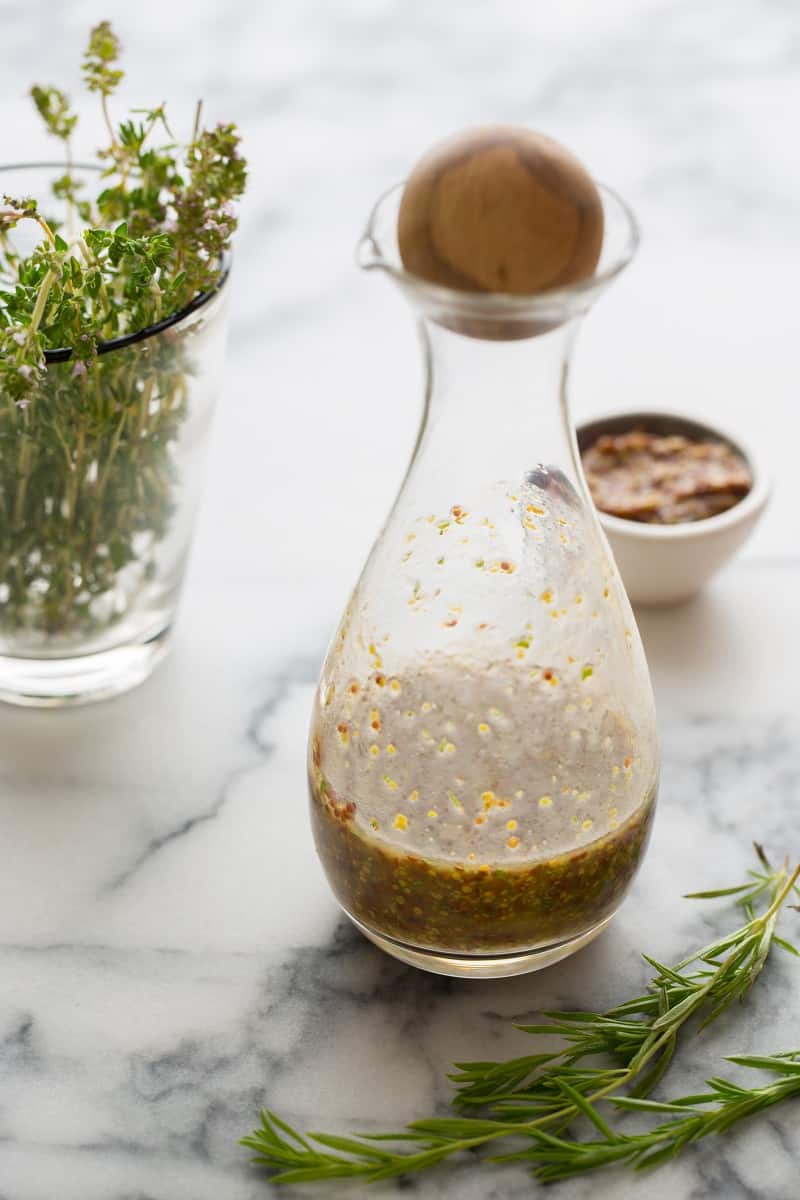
column 483, row 760
column 99, row 483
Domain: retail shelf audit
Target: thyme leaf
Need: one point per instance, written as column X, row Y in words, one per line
column 88, row 471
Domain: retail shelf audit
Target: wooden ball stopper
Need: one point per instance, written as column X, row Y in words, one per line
column 500, row 209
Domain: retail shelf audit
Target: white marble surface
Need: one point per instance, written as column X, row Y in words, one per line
column 170, row 957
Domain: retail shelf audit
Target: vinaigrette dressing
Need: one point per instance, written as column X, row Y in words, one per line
column 483, row 761
column 439, row 823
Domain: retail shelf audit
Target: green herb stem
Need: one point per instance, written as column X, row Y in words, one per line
column 90, row 485
column 537, row 1098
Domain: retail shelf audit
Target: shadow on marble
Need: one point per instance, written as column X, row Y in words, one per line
column 691, row 636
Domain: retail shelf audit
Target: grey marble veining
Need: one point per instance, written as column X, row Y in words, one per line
column 170, row 955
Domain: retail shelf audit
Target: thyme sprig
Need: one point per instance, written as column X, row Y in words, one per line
column 87, row 448
column 537, row 1098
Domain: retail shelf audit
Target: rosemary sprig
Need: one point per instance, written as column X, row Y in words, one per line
column 691, row 1119
column 640, row 1035
column 537, row 1097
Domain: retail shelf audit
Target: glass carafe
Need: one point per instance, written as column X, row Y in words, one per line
column 483, row 759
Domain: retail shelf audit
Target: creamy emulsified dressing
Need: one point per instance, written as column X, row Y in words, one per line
column 478, row 808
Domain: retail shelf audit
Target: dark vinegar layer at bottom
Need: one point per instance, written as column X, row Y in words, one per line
column 461, row 909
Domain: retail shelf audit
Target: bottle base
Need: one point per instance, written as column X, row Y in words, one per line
column 80, row 679
column 480, row 966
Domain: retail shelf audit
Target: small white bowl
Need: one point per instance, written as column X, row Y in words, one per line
column 666, row 564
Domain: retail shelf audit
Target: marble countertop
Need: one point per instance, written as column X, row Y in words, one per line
column 170, row 956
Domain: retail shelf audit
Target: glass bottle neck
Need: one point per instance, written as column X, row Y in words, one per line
column 495, row 410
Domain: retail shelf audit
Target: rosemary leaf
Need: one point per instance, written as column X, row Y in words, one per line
column 533, row 1101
